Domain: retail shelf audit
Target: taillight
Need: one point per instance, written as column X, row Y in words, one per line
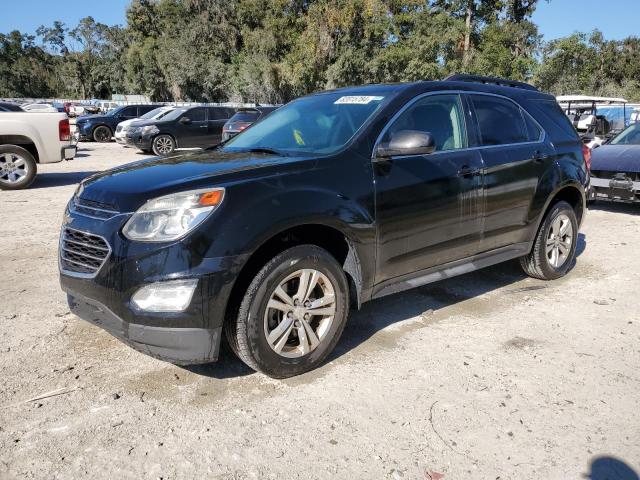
column 586, row 152
column 64, row 130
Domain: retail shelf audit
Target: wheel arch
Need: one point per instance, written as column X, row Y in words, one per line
column 21, row 141
column 336, row 242
column 101, row 125
column 173, row 137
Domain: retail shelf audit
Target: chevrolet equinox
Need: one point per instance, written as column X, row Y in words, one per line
column 335, row 199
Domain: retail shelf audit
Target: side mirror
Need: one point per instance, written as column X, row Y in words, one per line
column 407, row 142
column 185, row 120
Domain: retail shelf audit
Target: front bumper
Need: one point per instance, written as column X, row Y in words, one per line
column 181, row 346
column 615, row 189
column 139, row 140
column 104, row 298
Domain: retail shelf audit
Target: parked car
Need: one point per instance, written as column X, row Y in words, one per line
column 334, row 199
column 105, row 106
column 155, row 114
column 185, row 127
column 615, row 168
column 100, row 128
column 243, row 119
column 27, row 140
column 10, row 107
column 78, row 109
column 39, row 107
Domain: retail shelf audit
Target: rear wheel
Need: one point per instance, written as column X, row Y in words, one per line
column 293, row 313
column 102, row 134
column 17, row 168
column 163, row 145
column 554, row 249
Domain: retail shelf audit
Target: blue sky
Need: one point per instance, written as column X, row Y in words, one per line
column 616, row 18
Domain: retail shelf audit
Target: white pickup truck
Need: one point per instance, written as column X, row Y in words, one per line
column 27, row 139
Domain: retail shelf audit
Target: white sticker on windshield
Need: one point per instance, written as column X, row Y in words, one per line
column 357, row 99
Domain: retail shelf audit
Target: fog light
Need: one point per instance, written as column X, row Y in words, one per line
column 171, row 296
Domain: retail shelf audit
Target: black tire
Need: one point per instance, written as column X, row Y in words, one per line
column 163, row 145
column 16, row 159
column 246, row 332
column 146, row 150
column 102, row 134
column 537, row 263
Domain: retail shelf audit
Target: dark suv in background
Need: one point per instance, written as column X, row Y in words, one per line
column 334, row 199
column 243, row 119
column 101, row 128
column 185, row 127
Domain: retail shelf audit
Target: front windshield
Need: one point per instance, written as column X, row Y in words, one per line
column 321, row 123
column 173, row 114
column 115, row 111
column 152, row 113
column 629, row 136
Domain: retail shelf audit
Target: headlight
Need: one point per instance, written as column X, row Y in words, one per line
column 171, row 217
column 152, row 129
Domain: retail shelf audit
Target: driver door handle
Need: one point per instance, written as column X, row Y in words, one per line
column 467, row 171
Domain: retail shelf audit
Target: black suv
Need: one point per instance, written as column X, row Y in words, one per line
column 335, row 199
column 199, row 126
column 100, row 128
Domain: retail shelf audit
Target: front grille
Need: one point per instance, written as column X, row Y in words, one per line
column 118, row 128
column 89, row 208
column 81, row 252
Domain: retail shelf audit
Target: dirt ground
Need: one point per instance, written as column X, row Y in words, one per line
column 492, row 375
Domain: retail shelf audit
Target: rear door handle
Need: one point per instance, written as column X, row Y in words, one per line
column 467, row 171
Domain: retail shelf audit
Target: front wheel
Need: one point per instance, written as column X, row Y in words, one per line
column 163, row 145
column 102, row 134
column 554, row 249
column 17, row 168
column 292, row 314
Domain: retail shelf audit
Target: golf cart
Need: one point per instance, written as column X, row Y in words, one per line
column 595, row 118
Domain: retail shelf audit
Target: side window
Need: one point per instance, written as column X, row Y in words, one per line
column 218, row 113
column 533, row 130
column 500, row 121
column 196, row 114
column 145, row 109
column 129, row 112
column 439, row 115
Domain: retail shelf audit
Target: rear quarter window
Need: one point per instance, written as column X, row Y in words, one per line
column 555, row 123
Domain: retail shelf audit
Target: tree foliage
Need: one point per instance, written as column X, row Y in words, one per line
column 275, row 50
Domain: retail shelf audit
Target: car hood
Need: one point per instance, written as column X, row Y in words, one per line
column 86, row 118
column 127, row 187
column 618, row 158
column 150, row 121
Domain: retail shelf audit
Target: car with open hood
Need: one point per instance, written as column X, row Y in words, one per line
column 615, row 167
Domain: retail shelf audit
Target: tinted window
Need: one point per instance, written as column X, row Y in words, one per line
column 246, row 116
column 145, row 108
column 500, row 121
column 439, row 115
column 196, row 114
column 129, row 112
column 218, row 113
column 555, row 123
column 630, row 136
column 533, row 130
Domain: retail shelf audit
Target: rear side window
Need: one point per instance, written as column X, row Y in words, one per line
column 555, row 123
column 246, row 116
column 129, row 112
column 534, row 133
column 196, row 115
column 500, row 121
column 219, row 113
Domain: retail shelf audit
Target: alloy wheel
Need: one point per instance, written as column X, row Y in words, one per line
column 299, row 313
column 559, row 240
column 13, row 168
column 163, row 145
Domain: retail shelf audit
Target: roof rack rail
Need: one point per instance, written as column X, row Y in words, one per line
column 505, row 82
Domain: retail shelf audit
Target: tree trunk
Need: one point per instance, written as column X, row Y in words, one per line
column 467, row 33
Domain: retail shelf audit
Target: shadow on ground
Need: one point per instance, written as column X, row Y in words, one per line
column 47, row 180
column 381, row 313
column 616, row 207
column 610, row 468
